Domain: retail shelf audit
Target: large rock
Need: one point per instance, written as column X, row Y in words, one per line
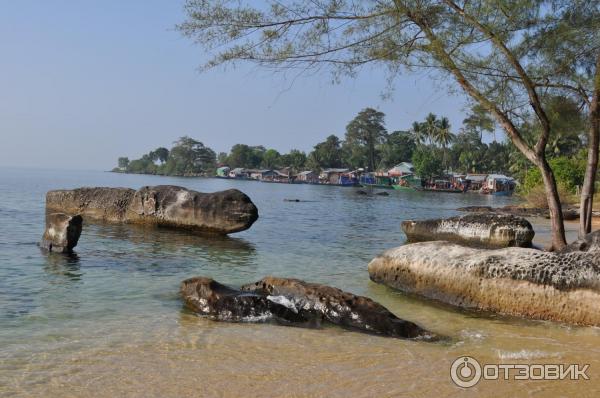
column 525, row 282
column 62, row 232
column 478, row 229
column 294, row 302
column 208, row 297
column 163, row 205
column 336, row 306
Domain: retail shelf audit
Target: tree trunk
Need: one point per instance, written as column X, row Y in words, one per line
column 554, row 206
column 587, row 190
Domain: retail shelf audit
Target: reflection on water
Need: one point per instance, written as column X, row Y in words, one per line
column 62, row 264
column 108, row 321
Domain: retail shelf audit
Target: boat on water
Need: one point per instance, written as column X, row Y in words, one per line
column 371, row 180
column 498, row 185
column 408, row 182
column 441, row 186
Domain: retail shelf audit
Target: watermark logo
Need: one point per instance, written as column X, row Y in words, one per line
column 467, row 371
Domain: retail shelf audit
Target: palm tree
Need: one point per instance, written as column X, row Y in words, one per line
column 443, row 135
column 418, row 133
column 431, row 127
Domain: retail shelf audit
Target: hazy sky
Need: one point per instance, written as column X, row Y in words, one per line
column 83, row 82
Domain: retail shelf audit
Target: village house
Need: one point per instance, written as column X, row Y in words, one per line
column 307, row 177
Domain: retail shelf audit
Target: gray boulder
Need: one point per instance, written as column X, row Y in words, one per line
column 477, row 229
column 516, row 281
column 62, row 232
column 222, row 212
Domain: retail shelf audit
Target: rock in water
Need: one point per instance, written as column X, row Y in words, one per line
column 219, row 302
column 62, row 232
column 479, row 229
column 222, row 212
column 525, row 282
column 294, row 302
column 338, row 307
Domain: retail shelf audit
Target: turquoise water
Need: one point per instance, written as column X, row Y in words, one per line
column 108, row 321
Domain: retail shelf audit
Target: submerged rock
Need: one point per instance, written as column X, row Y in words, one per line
column 336, row 306
column 294, row 302
column 516, row 281
column 62, row 232
column 222, row 303
column 478, row 229
column 163, row 205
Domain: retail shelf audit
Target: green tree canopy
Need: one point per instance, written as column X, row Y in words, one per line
column 366, row 130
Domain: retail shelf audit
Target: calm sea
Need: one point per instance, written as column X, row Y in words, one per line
column 108, row 321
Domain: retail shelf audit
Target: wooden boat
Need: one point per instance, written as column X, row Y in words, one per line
column 407, row 182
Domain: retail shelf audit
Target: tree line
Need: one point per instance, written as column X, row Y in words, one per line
column 509, row 58
column 432, row 145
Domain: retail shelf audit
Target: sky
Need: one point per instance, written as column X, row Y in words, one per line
column 84, row 82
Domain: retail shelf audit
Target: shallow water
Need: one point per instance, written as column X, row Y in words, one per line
column 108, row 322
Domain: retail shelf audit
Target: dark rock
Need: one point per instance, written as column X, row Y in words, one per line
column 383, row 193
column 294, row 302
column 477, row 229
column 62, row 232
column 361, row 192
column 570, row 214
column 163, row 205
column 207, row 297
column 591, row 243
column 336, row 306
column 555, row 286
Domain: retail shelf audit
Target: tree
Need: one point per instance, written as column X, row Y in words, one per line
column 430, row 127
column 295, row 159
column 245, row 156
column 367, row 129
column 418, row 133
column 427, row 162
column 443, row 136
column 479, row 120
column 189, row 156
column 327, row 154
column 222, row 158
column 123, row 162
column 161, row 154
column 271, row 159
column 497, row 53
column 399, row 147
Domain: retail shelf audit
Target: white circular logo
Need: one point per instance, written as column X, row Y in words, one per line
column 465, row 372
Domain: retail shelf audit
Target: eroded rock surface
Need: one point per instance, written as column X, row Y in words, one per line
column 62, row 232
column 525, row 282
column 294, row 302
column 478, row 229
column 219, row 302
column 163, row 205
column 336, row 306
